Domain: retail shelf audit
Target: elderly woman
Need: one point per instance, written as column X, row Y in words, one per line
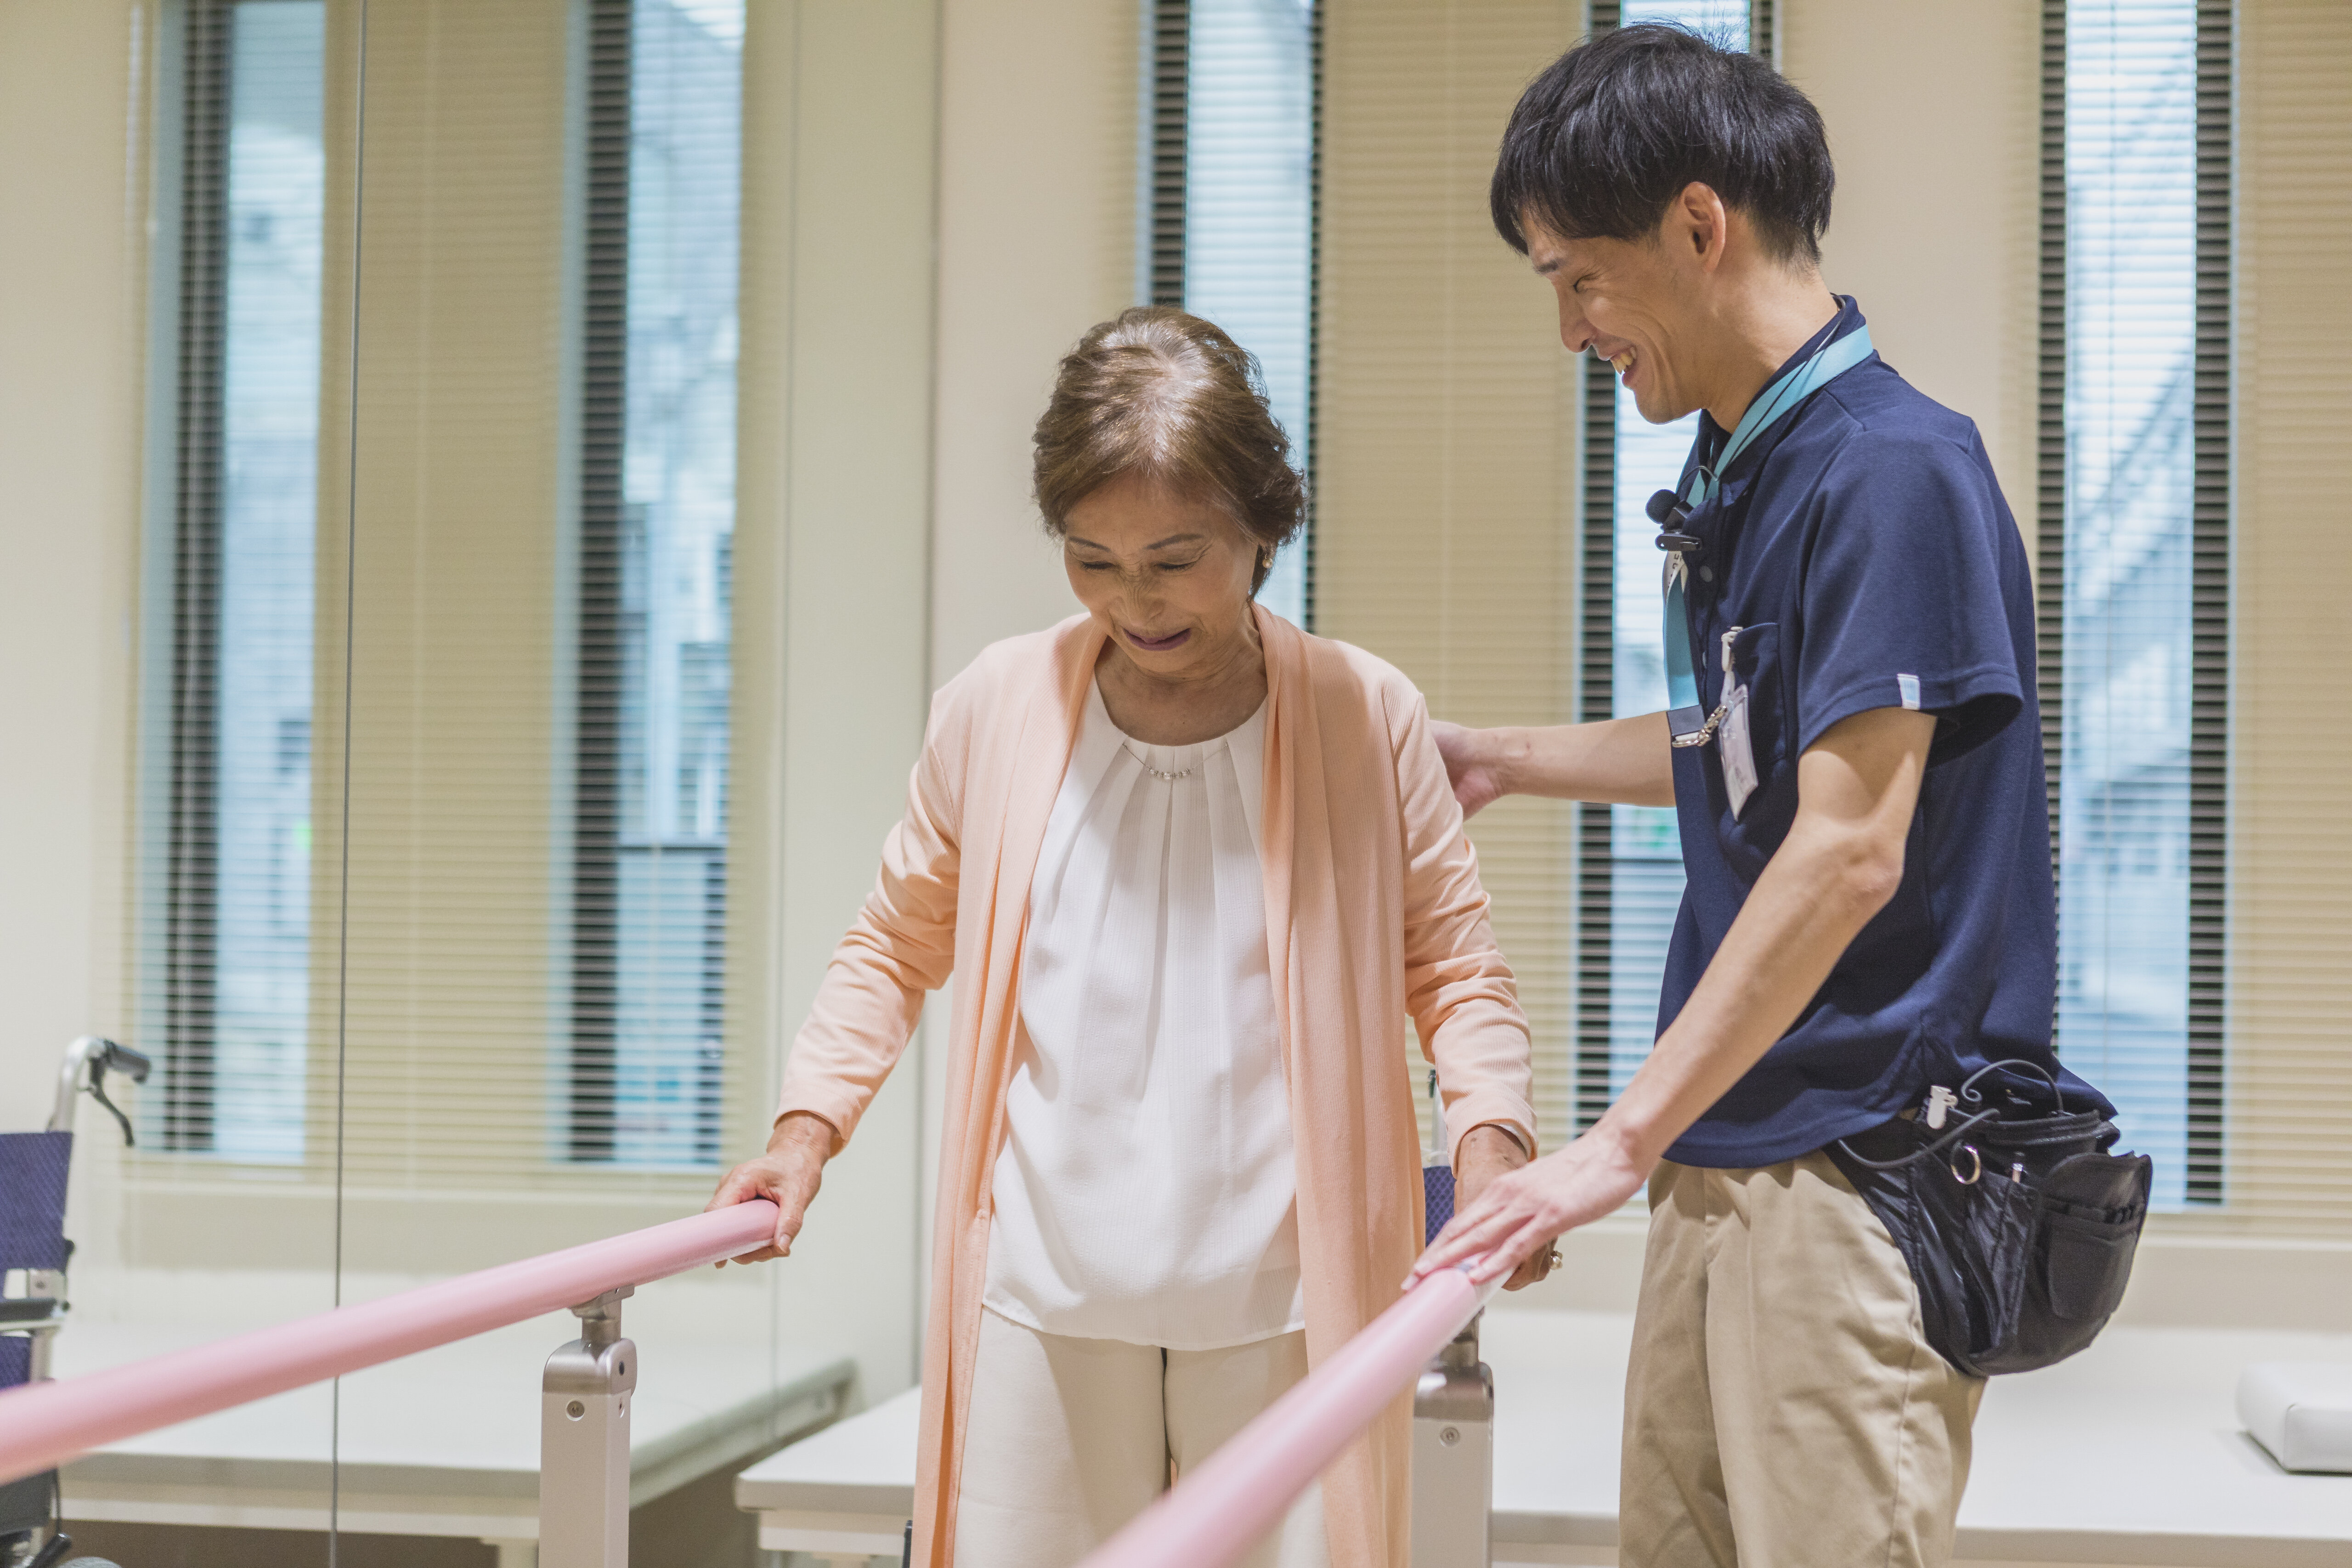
column 1191, row 869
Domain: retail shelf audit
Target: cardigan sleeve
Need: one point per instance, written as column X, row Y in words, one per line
column 901, row 946
column 1461, row 993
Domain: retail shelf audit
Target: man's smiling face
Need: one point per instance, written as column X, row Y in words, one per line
column 1627, row 302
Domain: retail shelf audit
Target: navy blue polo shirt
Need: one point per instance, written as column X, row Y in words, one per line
column 1863, row 548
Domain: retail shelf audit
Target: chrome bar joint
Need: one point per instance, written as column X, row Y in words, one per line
column 1453, row 1457
column 583, row 1442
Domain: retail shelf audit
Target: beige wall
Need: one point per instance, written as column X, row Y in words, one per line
column 71, row 292
column 1934, row 114
column 1037, row 168
column 1036, row 242
column 832, row 573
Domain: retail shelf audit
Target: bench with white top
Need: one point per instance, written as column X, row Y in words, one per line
column 844, row 1495
column 2128, row 1455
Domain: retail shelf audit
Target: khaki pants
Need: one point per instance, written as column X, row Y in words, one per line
column 1782, row 1408
column 1070, row 1438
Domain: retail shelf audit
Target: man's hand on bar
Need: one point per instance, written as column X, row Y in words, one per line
column 789, row 1173
column 1488, row 1154
column 1515, row 1218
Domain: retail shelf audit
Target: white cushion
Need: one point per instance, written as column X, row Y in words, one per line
column 2301, row 1411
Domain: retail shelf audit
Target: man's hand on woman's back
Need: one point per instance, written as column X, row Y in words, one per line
column 1627, row 760
column 1470, row 764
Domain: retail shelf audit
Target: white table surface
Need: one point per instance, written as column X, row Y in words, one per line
column 2129, row 1456
column 442, row 1443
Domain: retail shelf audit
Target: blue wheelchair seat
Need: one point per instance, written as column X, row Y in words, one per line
column 33, row 1167
column 1437, row 1199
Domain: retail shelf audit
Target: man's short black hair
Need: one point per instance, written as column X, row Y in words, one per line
column 1613, row 130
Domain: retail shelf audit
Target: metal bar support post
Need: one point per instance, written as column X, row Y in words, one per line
column 583, row 1442
column 1453, row 1457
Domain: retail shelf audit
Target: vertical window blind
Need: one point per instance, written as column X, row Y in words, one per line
column 1227, row 204
column 455, row 922
column 234, row 1008
column 2134, row 557
column 1446, row 431
column 2288, row 1163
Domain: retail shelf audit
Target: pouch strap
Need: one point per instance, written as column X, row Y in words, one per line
column 1969, row 1092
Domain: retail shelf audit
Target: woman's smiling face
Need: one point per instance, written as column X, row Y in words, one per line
column 1167, row 579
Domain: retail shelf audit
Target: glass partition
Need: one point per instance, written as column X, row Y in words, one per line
column 221, row 1218
column 454, row 943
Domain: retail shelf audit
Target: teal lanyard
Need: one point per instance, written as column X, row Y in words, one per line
column 1685, row 718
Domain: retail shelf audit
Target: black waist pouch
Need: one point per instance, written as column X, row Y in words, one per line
column 2017, row 1224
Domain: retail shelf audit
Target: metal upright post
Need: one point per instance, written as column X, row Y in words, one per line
column 39, row 1313
column 584, row 1443
column 1453, row 1457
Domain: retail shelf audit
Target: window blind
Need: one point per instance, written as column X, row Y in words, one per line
column 2288, row 1162
column 1446, row 423
column 465, row 555
column 540, row 638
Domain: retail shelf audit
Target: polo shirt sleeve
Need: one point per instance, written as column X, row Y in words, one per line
column 1902, row 595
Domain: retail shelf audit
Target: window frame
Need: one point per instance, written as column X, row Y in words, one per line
column 1164, row 175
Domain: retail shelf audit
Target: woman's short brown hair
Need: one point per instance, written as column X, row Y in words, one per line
column 1156, row 392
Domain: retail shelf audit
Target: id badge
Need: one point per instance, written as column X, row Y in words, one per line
column 1731, row 744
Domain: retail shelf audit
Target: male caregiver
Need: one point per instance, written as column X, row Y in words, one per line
column 1854, row 754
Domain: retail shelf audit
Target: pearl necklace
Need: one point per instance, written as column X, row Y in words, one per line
column 1159, row 773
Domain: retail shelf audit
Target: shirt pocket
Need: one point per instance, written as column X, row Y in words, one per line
column 1749, row 840
column 1756, row 664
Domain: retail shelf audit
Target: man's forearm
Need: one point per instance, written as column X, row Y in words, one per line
column 1842, row 860
column 1834, row 872
column 1627, row 761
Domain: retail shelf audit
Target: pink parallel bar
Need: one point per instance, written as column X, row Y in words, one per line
column 46, row 1424
column 1213, row 1517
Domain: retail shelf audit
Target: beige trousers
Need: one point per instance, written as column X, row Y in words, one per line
column 1070, row 1438
column 1782, row 1408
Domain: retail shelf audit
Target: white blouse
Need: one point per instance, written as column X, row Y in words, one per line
column 1145, row 1191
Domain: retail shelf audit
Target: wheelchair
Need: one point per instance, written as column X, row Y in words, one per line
column 34, row 1253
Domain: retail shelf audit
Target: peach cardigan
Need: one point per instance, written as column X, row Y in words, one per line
column 1374, row 912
